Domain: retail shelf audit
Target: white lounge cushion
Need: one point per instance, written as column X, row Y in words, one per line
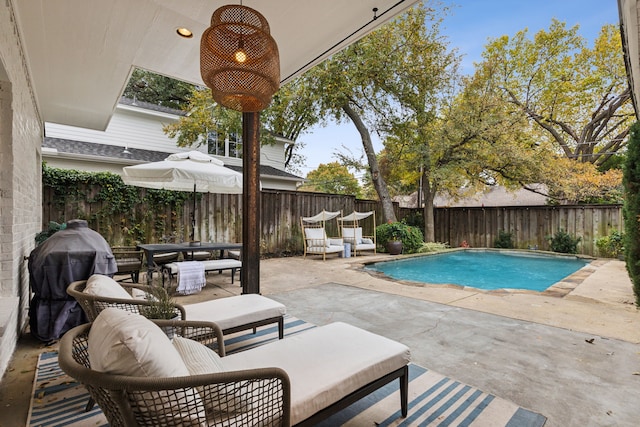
column 325, row 364
column 104, row 286
column 365, row 247
column 209, row 265
column 367, row 241
column 198, row 358
column 129, row 344
column 352, row 235
column 316, row 237
column 201, row 360
column 124, row 343
column 335, row 242
column 234, row 311
column 325, row 249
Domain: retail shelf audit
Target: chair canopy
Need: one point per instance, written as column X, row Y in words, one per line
column 321, row 217
column 357, row 216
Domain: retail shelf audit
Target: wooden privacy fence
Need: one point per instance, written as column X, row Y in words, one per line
column 530, row 226
column 219, row 219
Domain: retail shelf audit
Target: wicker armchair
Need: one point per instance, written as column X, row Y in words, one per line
column 266, row 391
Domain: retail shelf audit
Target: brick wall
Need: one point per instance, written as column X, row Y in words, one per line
column 20, row 182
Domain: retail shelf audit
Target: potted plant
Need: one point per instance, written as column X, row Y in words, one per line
column 396, row 232
column 161, row 306
column 399, row 237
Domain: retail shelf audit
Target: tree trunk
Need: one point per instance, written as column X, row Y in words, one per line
column 427, row 213
column 376, row 177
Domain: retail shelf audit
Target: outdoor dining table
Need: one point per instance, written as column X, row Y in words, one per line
column 157, row 248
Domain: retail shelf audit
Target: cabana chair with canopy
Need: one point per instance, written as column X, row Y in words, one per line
column 315, row 235
column 352, row 233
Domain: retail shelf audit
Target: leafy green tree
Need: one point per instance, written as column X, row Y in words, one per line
column 157, row 89
column 332, row 178
column 389, row 81
column 292, row 112
column 631, row 209
column 577, row 98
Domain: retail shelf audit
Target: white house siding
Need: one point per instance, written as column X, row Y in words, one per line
column 278, row 184
column 20, row 183
column 141, row 128
column 82, row 164
column 127, row 128
column 272, row 155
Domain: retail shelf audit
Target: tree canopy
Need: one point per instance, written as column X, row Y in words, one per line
column 292, row 112
column 577, row 98
column 157, row 89
column 332, row 178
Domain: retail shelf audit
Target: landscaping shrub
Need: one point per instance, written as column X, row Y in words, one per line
column 504, row 240
column 612, row 245
column 564, row 243
column 631, row 208
column 411, row 237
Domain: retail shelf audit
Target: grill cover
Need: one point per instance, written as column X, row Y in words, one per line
column 74, row 253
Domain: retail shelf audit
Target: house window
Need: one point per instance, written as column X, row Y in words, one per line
column 230, row 147
column 215, row 144
column 235, row 146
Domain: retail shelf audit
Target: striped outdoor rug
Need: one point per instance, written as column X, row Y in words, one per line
column 434, row 399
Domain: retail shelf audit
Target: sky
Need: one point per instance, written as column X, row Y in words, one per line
column 468, row 27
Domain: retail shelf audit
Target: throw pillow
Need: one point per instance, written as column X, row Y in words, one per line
column 201, row 360
column 123, row 343
column 104, row 286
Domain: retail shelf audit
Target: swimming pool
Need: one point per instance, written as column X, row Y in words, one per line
column 484, row 269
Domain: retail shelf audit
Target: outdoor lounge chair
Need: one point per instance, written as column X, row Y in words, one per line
column 231, row 314
column 315, row 235
column 352, row 231
column 153, row 381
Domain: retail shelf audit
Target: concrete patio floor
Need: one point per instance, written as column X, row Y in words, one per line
column 572, row 355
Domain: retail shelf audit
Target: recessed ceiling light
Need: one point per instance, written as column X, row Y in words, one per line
column 184, row 32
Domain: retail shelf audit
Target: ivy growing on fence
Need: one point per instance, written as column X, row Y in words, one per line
column 106, row 202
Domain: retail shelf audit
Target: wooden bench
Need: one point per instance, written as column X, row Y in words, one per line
column 171, row 269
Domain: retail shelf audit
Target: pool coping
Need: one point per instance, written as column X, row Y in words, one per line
column 559, row 289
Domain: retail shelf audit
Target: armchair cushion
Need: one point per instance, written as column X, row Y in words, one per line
column 124, row 343
column 316, row 237
column 335, row 242
column 104, row 286
column 352, row 235
column 201, row 360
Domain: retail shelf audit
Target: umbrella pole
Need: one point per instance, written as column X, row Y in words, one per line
column 193, row 214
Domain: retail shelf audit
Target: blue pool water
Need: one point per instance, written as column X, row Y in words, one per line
column 484, row 269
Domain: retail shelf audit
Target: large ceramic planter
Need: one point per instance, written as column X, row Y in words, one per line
column 394, row 247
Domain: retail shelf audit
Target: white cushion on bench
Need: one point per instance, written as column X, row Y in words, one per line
column 325, row 364
column 325, row 249
column 210, row 265
column 237, row 310
column 365, row 247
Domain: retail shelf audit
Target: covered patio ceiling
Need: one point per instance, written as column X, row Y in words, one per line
column 81, row 53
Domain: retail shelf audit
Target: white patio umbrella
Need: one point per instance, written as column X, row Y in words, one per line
column 187, row 171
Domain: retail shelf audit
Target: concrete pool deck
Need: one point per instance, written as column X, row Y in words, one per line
column 574, row 358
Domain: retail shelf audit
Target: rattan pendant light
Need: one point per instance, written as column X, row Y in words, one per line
column 239, row 59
